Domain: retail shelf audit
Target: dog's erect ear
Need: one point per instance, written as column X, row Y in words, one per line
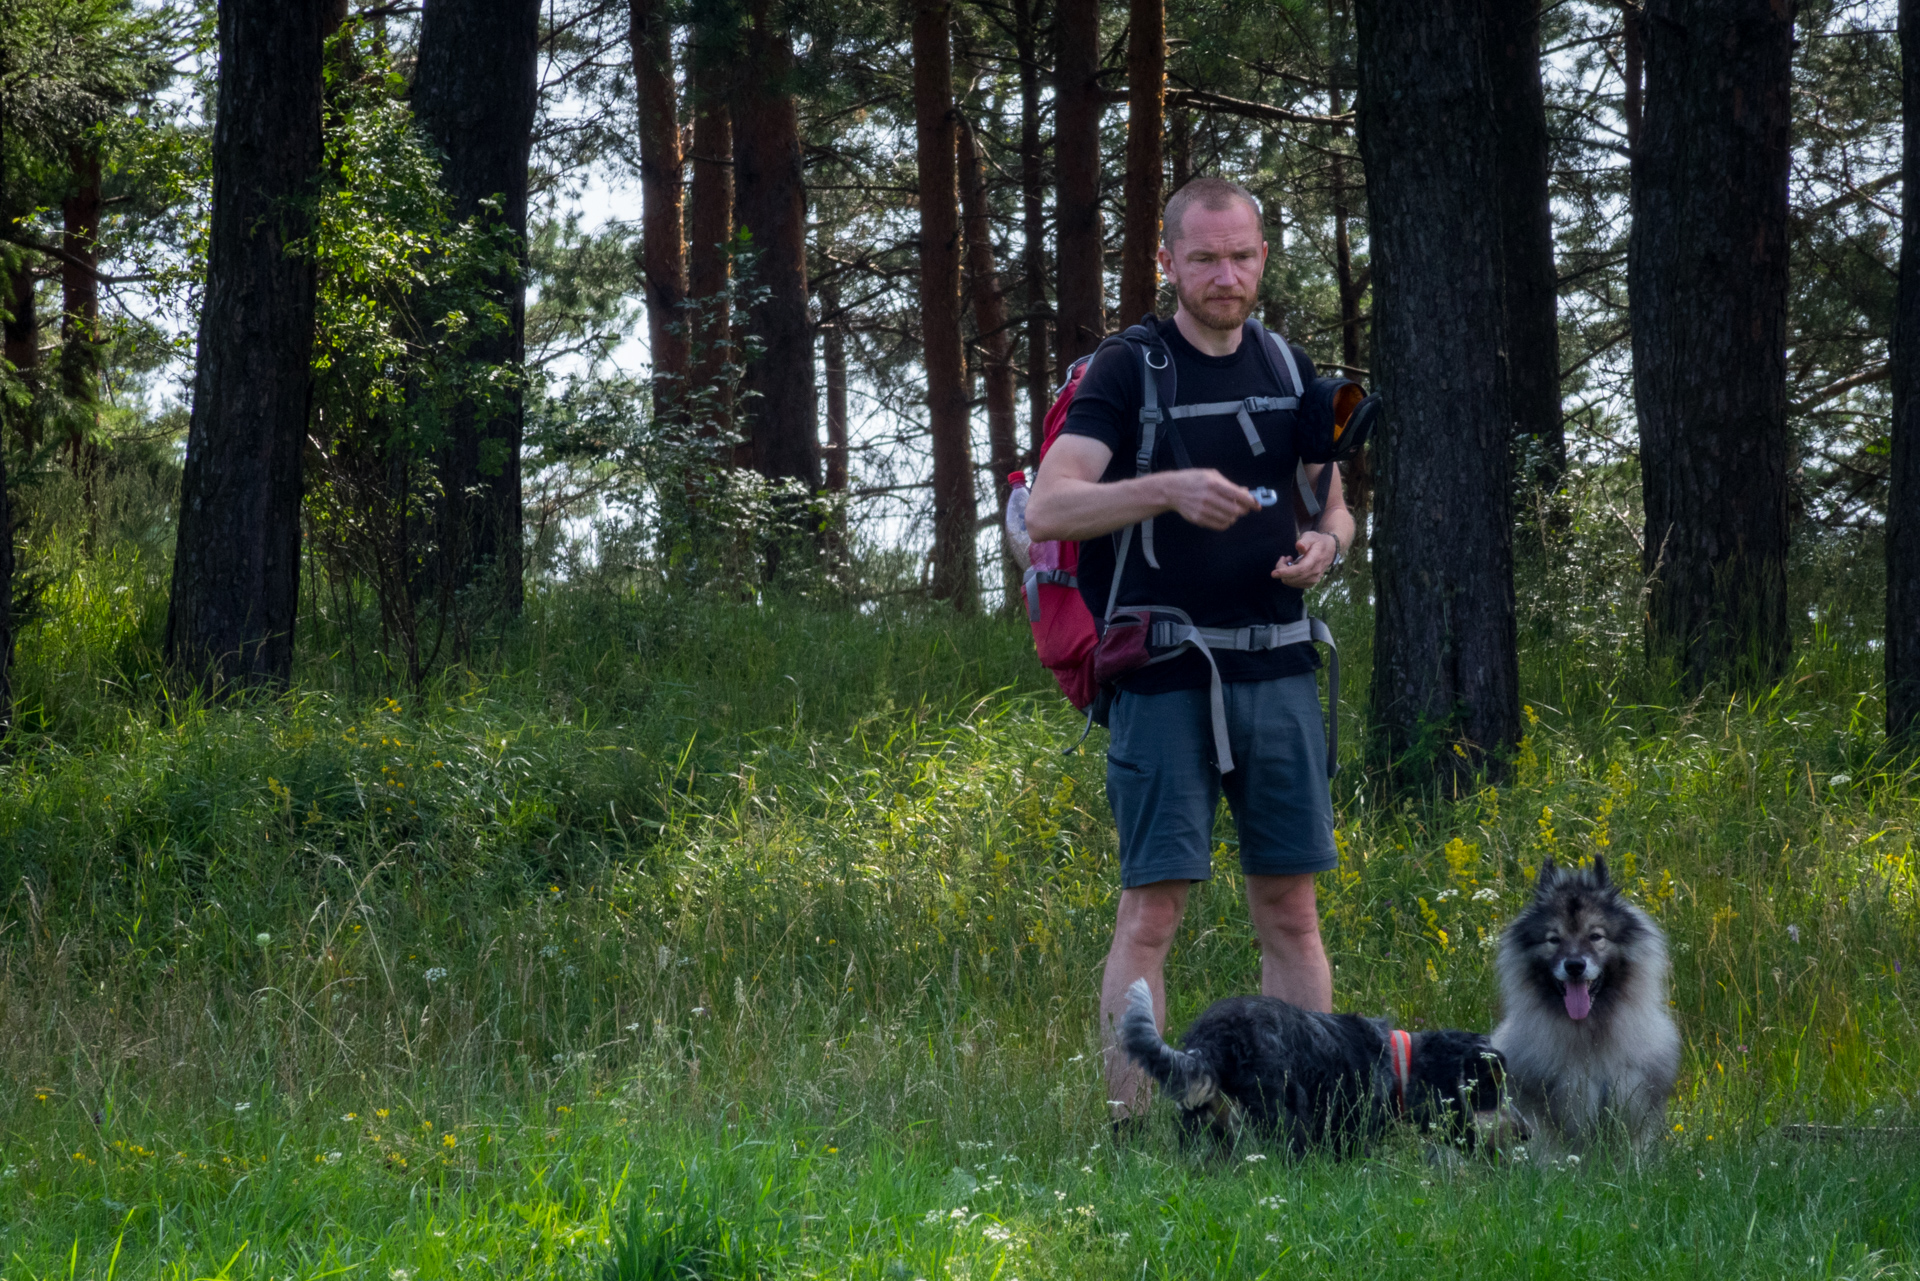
column 1600, row 871
column 1549, row 875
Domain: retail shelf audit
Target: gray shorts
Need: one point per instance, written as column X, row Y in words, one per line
column 1165, row 789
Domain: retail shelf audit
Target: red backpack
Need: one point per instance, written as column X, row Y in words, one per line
column 1063, row 630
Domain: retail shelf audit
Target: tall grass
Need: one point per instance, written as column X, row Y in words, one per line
column 700, row 938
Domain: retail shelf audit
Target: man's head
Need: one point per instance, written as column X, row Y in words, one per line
column 1213, row 252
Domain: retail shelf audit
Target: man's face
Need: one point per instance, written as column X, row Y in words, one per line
column 1215, row 266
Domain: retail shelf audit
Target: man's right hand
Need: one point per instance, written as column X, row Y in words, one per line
column 1206, row 498
column 1069, row 502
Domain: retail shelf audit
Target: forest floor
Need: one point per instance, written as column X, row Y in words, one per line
column 728, row 941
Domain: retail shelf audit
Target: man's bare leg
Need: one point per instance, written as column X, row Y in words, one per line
column 1286, row 920
column 1142, row 935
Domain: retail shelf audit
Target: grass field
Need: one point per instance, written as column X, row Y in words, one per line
column 725, row 940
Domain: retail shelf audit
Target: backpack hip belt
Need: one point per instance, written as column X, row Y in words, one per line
column 1171, row 632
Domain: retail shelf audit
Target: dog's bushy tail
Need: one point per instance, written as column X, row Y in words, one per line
column 1186, row 1077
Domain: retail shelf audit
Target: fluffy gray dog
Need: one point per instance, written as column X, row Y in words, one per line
column 1589, row 1043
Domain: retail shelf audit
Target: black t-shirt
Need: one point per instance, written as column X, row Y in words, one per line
column 1220, row 578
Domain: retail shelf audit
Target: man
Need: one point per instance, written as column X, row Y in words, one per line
column 1228, row 562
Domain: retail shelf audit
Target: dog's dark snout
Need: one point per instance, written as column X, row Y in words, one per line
column 1576, row 967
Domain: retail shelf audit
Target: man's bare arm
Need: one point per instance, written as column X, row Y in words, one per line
column 1070, row 503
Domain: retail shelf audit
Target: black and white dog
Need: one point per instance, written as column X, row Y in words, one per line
column 1318, row 1081
column 1585, row 1028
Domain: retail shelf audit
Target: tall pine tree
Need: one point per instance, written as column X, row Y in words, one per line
column 236, row 565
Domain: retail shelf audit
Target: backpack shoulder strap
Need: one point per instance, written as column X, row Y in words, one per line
column 1146, row 340
column 1271, row 343
column 1313, row 497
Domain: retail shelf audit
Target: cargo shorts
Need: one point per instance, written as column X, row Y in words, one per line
column 1165, row 787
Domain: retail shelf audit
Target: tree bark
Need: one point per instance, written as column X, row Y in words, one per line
column 23, row 335
column 1082, row 316
column 1707, row 279
column 80, row 298
column 770, row 202
column 710, row 253
column 1033, row 263
column 955, row 507
column 1526, row 216
column 1146, row 125
column 474, row 93
column 663, row 259
column 996, row 339
column 1903, row 498
column 1445, row 696
column 236, row 566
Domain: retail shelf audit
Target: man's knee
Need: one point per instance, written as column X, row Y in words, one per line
column 1150, row 915
column 1284, row 906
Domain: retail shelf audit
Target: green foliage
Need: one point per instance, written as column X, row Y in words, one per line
column 404, row 292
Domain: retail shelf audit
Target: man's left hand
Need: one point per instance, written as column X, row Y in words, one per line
column 1314, row 557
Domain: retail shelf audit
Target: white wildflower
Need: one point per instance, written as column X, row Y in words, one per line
column 1271, row 1202
column 263, row 938
column 1256, row 1156
column 998, row 1234
column 241, row 1107
column 437, row 973
column 1487, row 895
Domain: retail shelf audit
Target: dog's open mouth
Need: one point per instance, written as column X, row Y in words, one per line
column 1579, row 999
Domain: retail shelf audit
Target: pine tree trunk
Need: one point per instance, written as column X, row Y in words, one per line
column 663, row 261
column 80, row 295
column 1532, row 287
column 770, row 203
column 996, row 340
column 23, row 336
column 1445, row 696
column 1082, row 316
column 955, row 508
column 236, row 566
column 710, row 230
column 1146, row 124
column 474, row 93
column 1903, row 499
column 1707, row 279
column 1033, row 261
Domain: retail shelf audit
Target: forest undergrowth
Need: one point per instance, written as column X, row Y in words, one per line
column 688, row 938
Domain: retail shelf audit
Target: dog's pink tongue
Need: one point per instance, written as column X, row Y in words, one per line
column 1579, row 1001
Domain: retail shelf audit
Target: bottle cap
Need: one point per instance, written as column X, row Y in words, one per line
column 1016, row 478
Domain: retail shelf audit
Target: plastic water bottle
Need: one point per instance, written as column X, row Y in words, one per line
column 1017, row 537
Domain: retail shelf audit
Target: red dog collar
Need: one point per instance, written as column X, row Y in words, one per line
column 1400, row 1053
